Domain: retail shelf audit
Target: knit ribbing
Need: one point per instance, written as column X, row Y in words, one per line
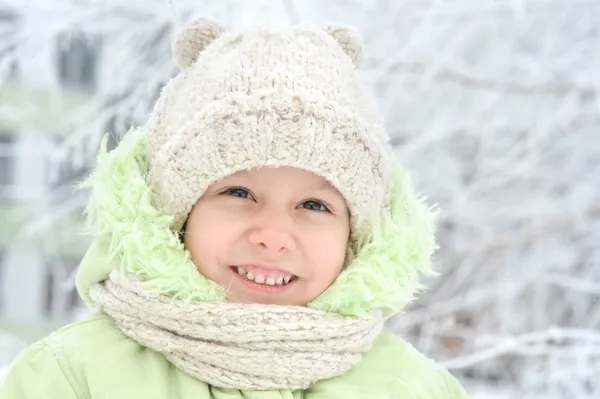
column 268, row 97
column 242, row 346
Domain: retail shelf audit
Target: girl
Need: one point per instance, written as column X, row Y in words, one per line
column 250, row 239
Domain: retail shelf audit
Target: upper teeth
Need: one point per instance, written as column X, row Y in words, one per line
column 261, row 279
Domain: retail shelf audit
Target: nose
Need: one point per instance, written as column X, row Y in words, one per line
column 272, row 238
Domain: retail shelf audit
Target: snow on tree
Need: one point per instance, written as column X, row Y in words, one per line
column 492, row 105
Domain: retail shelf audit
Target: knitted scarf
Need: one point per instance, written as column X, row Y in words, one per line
column 242, row 346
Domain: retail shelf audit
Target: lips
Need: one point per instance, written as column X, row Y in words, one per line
column 264, row 276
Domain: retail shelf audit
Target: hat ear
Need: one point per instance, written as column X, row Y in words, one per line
column 348, row 39
column 193, row 37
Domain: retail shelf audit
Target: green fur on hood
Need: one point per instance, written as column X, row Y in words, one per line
column 131, row 234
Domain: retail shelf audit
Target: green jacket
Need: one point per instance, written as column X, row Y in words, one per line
column 93, row 359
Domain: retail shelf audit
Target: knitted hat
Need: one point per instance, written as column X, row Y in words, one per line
column 271, row 96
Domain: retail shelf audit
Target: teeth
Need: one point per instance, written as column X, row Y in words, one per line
column 260, row 279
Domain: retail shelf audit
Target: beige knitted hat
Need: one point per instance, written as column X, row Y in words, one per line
column 270, row 96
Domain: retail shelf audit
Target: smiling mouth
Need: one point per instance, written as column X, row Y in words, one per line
column 257, row 278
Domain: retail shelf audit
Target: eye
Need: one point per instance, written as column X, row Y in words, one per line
column 314, row 205
column 238, row 192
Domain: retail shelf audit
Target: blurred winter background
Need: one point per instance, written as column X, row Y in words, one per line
column 494, row 105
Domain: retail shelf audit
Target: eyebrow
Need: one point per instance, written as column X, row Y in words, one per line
column 326, row 186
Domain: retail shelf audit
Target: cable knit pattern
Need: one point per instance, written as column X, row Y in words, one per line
column 268, row 97
column 242, row 346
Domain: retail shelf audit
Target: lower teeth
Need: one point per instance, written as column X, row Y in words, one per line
column 265, row 283
column 271, row 285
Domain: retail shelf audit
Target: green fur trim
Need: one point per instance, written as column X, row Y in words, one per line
column 386, row 270
column 384, row 275
column 137, row 235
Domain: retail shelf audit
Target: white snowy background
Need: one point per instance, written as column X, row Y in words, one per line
column 493, row 105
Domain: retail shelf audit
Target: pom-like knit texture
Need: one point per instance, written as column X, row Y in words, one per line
column 268, row 97
column 192, row 40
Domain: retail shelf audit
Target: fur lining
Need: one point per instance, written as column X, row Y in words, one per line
column 383, row 276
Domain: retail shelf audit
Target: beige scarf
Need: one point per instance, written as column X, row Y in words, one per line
column 242, row 346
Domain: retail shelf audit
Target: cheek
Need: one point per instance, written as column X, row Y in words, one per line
column 208, row 238
column 328, row 253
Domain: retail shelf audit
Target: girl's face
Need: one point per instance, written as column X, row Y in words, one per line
column 270, row 235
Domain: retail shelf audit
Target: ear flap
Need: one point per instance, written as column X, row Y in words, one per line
column 349, row 40
column 193, row 37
